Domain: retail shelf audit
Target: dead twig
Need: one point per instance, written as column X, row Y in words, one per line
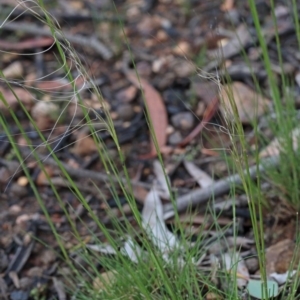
column 209, row 113
column 76, row 173
column 202, row 195
column 83, row 41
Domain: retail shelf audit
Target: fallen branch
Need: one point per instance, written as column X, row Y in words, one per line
column 83, row 41
column 202, row 195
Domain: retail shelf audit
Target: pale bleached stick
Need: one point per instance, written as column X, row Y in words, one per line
column 202, row 195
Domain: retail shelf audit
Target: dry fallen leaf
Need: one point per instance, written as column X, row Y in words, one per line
column 282, row 278
column 277, row 145
column 161, row 179
column 132, row 250
column 233, row 46
column 153, row 222
column 156, row 109
column 106, row 280
column 127, row 95
column 139, row 193
column 200, row 176
column 84, row 145
column 233, row 261
column 213, row 296
column 279, row 256
column 43, row 174
column 59, row 288
column 104, row 248
column 14, row 70
column 249, row 104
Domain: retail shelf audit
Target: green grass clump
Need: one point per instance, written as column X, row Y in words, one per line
column 95, row 275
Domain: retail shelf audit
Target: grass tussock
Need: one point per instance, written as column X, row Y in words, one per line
column 102, row 267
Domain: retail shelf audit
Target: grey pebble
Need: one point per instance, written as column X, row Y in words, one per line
column 26, row 283
column 125, row 112
column 175, row 138
column 183, row 120
column 252, row 264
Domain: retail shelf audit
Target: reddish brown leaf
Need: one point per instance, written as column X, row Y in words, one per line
column 59, row 84
column 156, row 109
column 28, row 44
column 209, row 113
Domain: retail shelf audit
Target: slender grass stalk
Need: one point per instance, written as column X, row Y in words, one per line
column 151, row 277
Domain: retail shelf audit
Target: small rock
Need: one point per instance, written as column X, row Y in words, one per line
column 161, row 36
column 204, row 90
column 45, row 114
column 22, row 181
column 173, row 100
column 14, row 70
column 37, row 249
column 84, row 145
column 26, row 283
column 252, row 264
column 170, row 130
column 44, row 108
column 103, row 283
column 183, row 120
column 175, row 138
column 14, row 210
column 22, row 219
column 183, row 68
column 159, row 64
column 4, row 175
column 183, row 48
column 127, row 95
column 18, row 190
column 126, row 209
column 218, row 168
column 125, row 112
column 217, row 248
column 148, row 25
column 133, row 13
column 48, row 257
column 35, row 272
column 164, row 81
column 281, row 11
column 27, row 239
column 44, row 174
column 201, row 107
